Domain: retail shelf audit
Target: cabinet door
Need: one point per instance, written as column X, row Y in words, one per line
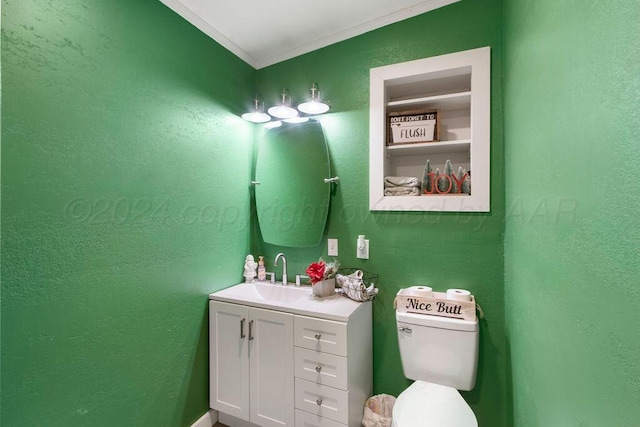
column 271, row 361
column 229, row 358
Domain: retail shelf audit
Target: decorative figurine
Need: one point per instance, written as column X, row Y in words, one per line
column 249, row 269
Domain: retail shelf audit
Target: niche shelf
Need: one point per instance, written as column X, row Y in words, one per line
column 458, row 86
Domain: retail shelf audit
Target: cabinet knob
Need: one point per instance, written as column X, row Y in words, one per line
column 319, row 401
column 317, row 336
column 318, row 369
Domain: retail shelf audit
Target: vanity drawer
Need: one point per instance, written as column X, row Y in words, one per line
column 318, row 399
column 322, row 368
column 305, row 419
column 321, row 335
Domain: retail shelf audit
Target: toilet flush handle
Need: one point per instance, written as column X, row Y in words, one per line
column 404, row 329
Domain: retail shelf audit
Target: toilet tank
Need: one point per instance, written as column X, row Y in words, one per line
column 439, row 350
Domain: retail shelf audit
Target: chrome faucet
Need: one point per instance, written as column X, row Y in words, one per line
column 284, row 266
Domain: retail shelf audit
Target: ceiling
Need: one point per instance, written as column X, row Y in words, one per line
column 263, row 33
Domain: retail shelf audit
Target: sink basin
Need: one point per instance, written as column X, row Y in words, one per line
column 269, row 292
column 289, row 299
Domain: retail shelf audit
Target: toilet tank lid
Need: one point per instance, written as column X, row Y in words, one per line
column 437, row 321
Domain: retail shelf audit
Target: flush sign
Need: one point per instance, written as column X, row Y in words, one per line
column 412, row 127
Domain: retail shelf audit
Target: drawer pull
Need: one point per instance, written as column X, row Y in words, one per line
column 317, row 336
column 242, row 335
column 319, row 401
column 318, row 369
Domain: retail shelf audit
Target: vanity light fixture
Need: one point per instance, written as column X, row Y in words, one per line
column 284, row 110
column 315, row 104
column 257, row 114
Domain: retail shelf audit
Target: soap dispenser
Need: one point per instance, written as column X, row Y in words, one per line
column 262, row 272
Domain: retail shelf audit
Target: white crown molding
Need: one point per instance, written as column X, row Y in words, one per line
column 391, row 18
column 209, row 30
column 286, row 54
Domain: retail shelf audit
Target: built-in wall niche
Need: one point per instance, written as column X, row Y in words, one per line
column 455, row 85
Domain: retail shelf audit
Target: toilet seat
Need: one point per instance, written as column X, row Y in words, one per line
column 426, row 404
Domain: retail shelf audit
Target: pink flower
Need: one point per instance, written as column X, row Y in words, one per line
column 316, row 271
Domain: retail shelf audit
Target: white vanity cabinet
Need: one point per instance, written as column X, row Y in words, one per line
column 333, row 363
column 458, row 87
column 251, row 363
column 303, row 364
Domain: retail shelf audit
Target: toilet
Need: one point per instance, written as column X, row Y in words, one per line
column 441, row 355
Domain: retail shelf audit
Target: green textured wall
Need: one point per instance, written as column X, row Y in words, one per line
column 437, row 249
column 124, row 203
column 572, row 130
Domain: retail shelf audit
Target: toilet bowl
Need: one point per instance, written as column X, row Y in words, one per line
column 425, row 404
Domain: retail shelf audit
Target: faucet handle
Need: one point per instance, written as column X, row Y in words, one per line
column 300, row 276
column 272, row 276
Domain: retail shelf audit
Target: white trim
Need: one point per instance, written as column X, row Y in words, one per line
column 209, row 30
column 479, row 61
column 209, row 418
column 262, row 62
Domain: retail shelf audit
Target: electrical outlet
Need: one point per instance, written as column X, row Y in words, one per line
column 332, row 247
column 362, row 247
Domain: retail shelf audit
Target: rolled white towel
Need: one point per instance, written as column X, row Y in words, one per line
column 401, row 181
column 402, row 191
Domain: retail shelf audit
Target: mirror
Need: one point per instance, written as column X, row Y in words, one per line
column 292, row 199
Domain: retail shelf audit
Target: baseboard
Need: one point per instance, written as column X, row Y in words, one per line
column 207, row 420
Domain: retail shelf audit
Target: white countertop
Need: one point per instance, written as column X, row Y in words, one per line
column 289, row 299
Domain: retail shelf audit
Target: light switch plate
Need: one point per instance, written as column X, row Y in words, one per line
column 332, row 247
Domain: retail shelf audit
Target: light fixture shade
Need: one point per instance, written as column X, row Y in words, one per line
column 284, row 110
column 314, row 105
column 257, row 114
column 297, row 120
column 274, row 124
column 256, row 117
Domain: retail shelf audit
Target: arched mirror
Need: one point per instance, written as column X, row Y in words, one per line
column 292, row 199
